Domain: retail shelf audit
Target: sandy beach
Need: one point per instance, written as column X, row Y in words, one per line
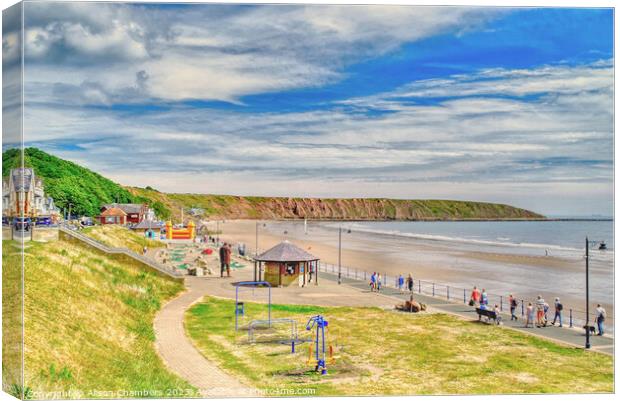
column 500, row 273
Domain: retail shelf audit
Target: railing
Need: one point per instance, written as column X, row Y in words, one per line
column 104, row 248
column 571, row 317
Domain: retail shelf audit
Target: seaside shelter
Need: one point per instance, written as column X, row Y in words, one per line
column 286, row 264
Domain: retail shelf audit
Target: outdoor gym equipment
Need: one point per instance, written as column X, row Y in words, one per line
column 240, row 307
column 319, row 354
column 258, row 324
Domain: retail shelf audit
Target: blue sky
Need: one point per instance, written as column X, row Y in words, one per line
column 492, row 104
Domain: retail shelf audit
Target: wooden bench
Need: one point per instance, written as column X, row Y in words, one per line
column 489, row 314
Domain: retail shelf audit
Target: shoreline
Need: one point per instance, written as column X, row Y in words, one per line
column 525, row 276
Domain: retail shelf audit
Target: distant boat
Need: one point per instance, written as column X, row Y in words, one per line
column 602, row 246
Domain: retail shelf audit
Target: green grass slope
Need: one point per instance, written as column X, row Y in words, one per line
column 89, row 323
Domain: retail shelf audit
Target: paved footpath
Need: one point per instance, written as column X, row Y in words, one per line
column 574, row 337
column 180, row 355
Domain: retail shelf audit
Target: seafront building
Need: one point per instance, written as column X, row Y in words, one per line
column 23, row 194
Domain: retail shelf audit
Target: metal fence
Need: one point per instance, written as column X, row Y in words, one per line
column 571, row 317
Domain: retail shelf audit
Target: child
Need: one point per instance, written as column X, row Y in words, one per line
column 498, row 317
column 401, row 283
column 529, row 315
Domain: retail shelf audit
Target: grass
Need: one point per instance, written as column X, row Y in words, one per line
column 11, row 318
column 89, row 323
column 388, row 353
column 121, row 237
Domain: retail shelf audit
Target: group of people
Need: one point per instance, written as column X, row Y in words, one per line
column 401, row 283
column 225, row 254
column 375, row 282
column 536, row 314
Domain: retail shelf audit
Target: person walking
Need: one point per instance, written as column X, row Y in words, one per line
column 558, row 311
column 378, row 282
column 484, row 298
column 475, row 296
column 228, row 257
column 498, row 315
column 401, row 283
column 410, row 283
column 601, row 314
column 373, row 281
column 529, row 314
column 222, row 252
column 512, row 301
column 540, row 311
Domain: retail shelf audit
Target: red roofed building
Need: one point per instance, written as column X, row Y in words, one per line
column 113, row 215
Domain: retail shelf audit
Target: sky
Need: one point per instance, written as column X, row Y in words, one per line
column 510, row 105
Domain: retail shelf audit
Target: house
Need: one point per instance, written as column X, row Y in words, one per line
column 23, row 194
column 135, row 212
column 113, row 215
column 286, row 264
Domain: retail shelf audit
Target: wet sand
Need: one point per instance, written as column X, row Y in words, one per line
column 500, row 273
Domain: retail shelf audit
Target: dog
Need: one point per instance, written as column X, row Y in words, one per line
column 591, row 328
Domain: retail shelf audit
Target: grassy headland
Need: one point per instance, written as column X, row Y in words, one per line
column 268, row 208
column 86, row 190
column 89, row 323
column 387, row 353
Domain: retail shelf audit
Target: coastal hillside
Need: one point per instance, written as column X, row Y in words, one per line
column 253, row 207
column 86, row 190
column 71, row 184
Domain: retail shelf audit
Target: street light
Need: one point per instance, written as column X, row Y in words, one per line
column 256, row 247
column 587, row 326
column 340, row 253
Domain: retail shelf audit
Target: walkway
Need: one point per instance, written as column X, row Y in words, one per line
column 574, row 337
column 180, row 355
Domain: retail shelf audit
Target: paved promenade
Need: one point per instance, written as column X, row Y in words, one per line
column 573, row 337
column 180, row 355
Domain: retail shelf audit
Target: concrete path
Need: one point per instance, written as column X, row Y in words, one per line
column 180, row 355
column 574, row 337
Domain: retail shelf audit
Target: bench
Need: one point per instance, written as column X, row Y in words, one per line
column 489, row 314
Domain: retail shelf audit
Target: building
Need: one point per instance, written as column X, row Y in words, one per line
column 150, row 228
column 135, row 212
column 23, row 194
column 286, row 264
column 113, row 215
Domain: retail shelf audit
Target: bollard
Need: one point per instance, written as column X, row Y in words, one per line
column 522, row 309
column 433, row 289
column 501, row 303
column 570, row 318
column 464, row 296
column 448, row 291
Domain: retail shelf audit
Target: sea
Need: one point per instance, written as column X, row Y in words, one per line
column 557, row 247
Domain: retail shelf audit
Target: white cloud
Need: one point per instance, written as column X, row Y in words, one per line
column 209, row 53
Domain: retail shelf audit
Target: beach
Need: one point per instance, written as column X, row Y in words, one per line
column 500, row 270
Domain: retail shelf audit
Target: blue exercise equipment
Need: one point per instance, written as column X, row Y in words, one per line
column 320, row 323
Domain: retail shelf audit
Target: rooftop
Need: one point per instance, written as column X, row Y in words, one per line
column 286, row 252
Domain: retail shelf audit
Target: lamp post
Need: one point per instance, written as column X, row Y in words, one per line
column 588, row 244
column 587, row 294
column 340, row 253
